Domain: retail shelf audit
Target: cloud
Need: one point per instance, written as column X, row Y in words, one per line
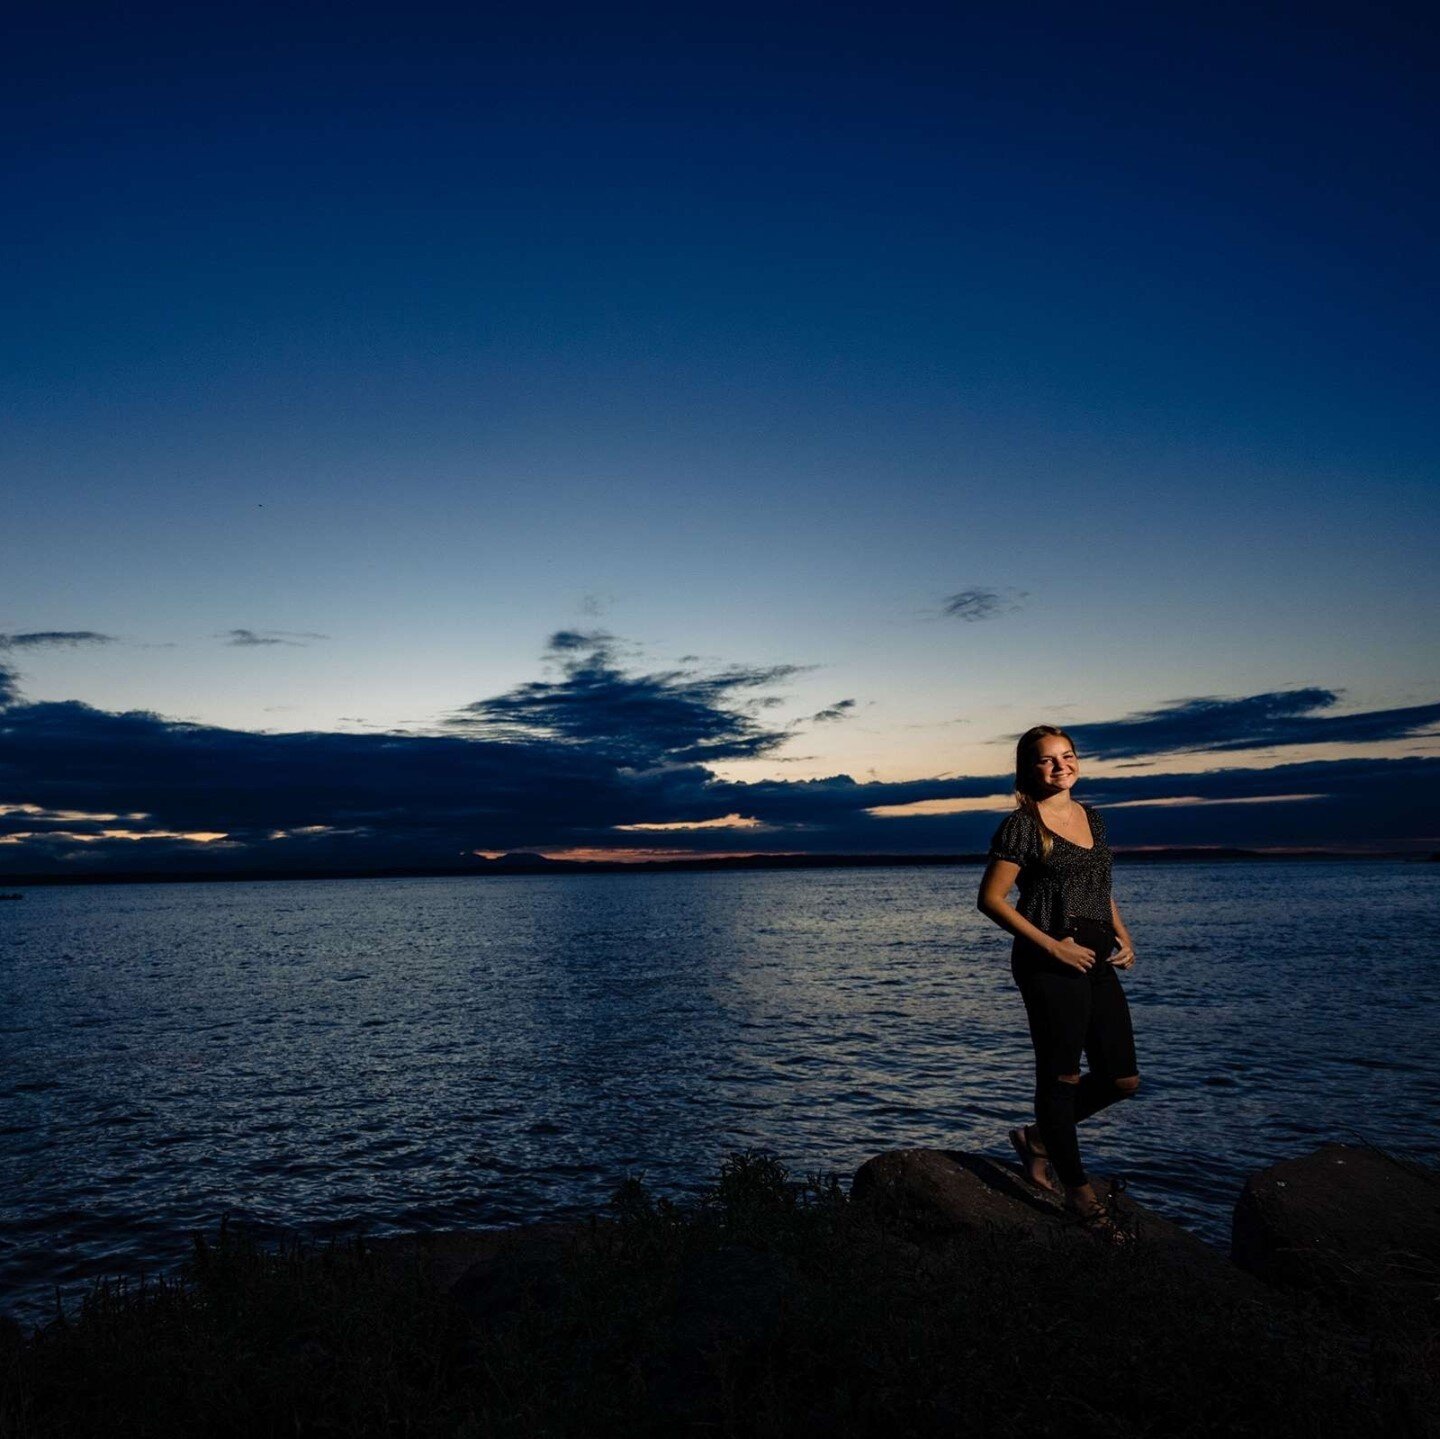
column 974, row 605
column 641, row 721
column 9, row 688
column 1279, row 717
column 838, row 711
column 270, row 637
column 594, row 642
column 577, row 762
column 41, row 639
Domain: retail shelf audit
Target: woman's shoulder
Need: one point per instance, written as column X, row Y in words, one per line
column 1017, row 839
column 1097, row 820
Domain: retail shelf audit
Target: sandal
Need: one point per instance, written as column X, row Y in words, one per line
column 1020, row 1141
column 1107, row 1222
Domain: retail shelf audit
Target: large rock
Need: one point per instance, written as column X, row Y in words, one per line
column 491, row 1273
column 940, row 1192
column 1350, row 1223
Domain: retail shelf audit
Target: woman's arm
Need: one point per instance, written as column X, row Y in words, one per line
column 1124, row 957
column 995, row 885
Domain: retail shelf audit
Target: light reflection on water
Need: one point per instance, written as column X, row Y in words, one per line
column 444, row 1053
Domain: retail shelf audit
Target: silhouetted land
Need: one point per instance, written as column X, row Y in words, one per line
column 539, row 864
column 772, row 1308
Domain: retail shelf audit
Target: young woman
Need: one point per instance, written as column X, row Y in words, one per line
column 1069, row 942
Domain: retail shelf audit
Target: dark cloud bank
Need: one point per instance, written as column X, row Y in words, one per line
column 562, row 762
column 1285, row 717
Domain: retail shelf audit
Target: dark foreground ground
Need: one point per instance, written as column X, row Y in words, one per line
column 776, row 1307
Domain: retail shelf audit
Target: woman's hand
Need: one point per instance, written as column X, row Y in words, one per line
column 1124, row 957
column 1072, row 952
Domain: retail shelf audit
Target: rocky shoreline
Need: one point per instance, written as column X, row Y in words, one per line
column 1348, row 1223
column 941, row 1293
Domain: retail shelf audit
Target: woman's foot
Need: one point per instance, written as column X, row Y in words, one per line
column 1101, row 1218
column 1033, row 1159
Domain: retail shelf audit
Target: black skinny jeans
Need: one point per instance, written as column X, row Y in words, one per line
column 1071, row 1013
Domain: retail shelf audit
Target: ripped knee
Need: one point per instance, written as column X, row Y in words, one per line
column 1073, row 1079
column 1128, row 1085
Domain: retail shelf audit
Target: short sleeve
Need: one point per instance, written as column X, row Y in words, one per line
column 1016, row 840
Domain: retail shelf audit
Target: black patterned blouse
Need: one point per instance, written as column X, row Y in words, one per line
column 1072, row 881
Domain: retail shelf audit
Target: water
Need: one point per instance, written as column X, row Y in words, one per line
column 429, row 1054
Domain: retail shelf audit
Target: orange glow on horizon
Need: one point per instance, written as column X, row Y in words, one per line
column 627, row 855
column 729, row 821
column 77, row 837
column 1200, row 802
column 985, row 804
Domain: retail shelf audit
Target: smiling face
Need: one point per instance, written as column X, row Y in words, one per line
column 1053, row 766
column 1045, row 763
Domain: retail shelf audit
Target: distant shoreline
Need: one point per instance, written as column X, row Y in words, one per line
column 529, row 864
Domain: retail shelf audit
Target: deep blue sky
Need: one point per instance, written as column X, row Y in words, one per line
column 974, row 366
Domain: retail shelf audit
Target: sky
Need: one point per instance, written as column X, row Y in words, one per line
column 630, row 430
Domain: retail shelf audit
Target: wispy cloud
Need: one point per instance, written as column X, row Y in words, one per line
column 838, row 711
column 595, row 642
column 593, row 605
column 246, row 638
column 45, row 639
column 1278, row 717
column 977, row 604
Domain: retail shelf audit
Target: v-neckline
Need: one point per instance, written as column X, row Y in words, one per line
column 1055, row 833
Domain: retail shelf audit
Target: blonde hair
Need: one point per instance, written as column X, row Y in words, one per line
column 1024, row 798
